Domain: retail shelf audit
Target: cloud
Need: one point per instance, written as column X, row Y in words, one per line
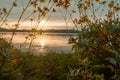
column 57, row 18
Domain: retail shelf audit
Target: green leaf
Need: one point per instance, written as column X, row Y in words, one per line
column 111, row 60
column 2, row 53
column 96, row 67
column 71, row 72
column 115, row 52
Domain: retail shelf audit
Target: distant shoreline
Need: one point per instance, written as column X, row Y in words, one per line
column 45, row 31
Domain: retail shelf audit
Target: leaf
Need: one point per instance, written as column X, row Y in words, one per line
column 4, row 10
column 96, row 67
column 2, row 53
column 71, row 40
column 115, row 52
column 71, row 72
column 111, row 67
column 111, row 60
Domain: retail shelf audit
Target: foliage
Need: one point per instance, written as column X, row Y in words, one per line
column 98, row 49
column 97, row 44
column 25, row 66
column 9, row 63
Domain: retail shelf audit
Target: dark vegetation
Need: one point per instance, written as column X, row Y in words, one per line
column 98, row 50
column 25, row 66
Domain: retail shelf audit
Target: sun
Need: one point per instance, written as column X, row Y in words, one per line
column 42, row 23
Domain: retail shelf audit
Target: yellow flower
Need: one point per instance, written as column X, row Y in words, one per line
column 30, row 35
column 66, row 4
column 4, row 10
column 80, row 5
column 15, row 60
column 46, row 9
column 31, row 19
column 26, row 37
column 33, row 30
column 75, row 21
column 84, row 19
column 116, row 8
column 111, row 4
column 54, row 10
column 42, row 0
column 55, row 1
column 97, row 0
column 16, row 25
column 35, row 4
column 103, row 3
column 40, row 32
column 14, row 4
column 39, row 9
column 43, row 13
column 85, row 7
column 109, row 15
column 34, row 11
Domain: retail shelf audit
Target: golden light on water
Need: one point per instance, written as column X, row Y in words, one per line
column 42, row 43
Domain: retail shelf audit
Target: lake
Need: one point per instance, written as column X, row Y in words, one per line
column 57, row 42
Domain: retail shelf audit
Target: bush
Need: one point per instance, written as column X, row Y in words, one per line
column 97, row 46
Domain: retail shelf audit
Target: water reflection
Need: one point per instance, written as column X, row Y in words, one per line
column 42, row 43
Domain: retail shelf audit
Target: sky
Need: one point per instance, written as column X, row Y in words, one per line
column 51, row 21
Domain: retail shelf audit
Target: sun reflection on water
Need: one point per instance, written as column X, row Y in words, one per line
column 42, row 43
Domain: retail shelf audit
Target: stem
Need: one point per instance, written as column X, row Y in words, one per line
column 10, row 42
column 3, row 21
column 23, row 11
column 30, row 45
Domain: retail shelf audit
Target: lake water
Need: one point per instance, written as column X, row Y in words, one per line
column 57, row 42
